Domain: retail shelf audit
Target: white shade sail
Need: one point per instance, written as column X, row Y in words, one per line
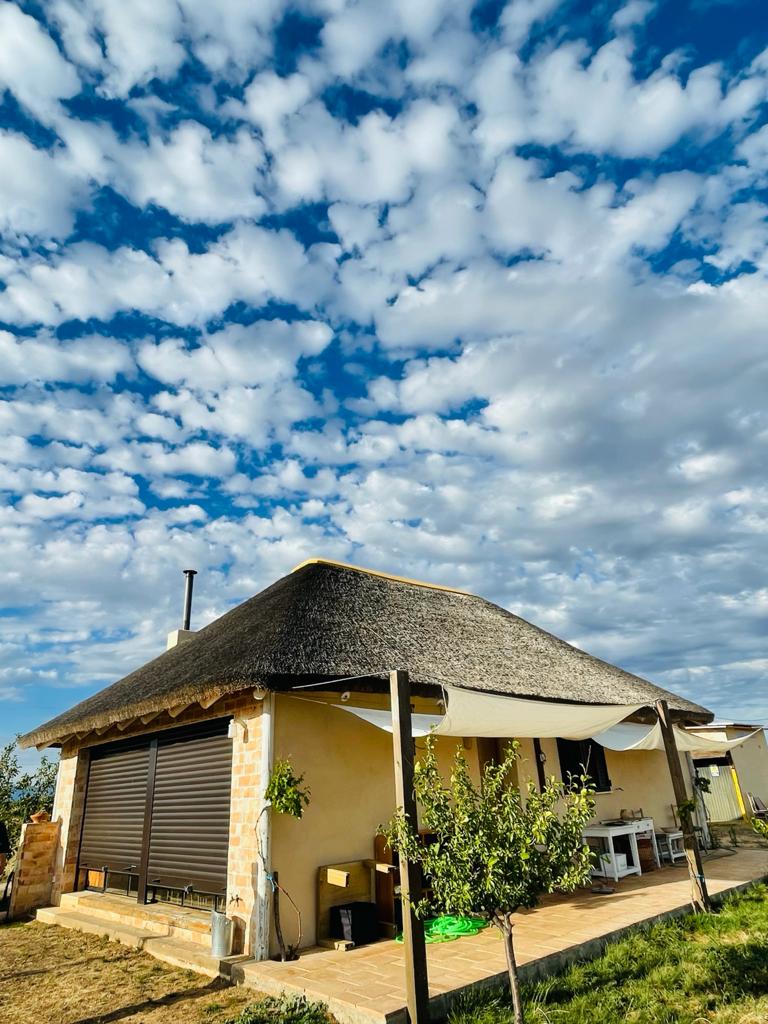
column 421, row 725
column 632, row 736
column 470, row 713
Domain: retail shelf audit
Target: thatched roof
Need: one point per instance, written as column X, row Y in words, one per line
column 325, row 620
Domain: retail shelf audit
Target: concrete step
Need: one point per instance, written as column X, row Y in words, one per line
column 160, row 920
column 190, row 956
column 113, row 930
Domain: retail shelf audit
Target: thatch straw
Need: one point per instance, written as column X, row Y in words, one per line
column 325, row 620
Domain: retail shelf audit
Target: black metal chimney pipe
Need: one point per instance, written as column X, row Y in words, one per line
column 190, row 575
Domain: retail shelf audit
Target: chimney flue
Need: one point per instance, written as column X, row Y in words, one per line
column 190, row 575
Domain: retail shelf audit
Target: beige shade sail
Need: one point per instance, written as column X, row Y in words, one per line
column 421, row 725
column 631, row 736
column 470, row 713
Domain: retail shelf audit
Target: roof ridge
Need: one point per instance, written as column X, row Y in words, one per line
column 381, row 575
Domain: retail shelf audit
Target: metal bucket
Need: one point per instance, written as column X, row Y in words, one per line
column 221, row 934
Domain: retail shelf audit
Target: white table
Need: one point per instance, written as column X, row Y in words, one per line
column 608, row 832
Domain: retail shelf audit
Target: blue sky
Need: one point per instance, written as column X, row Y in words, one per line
column 469, row 292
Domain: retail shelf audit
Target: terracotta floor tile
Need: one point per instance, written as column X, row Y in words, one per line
column 371, row 979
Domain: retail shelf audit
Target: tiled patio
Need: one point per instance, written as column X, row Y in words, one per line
column 366, row 985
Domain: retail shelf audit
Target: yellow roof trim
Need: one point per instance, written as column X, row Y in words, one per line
column 381, row 575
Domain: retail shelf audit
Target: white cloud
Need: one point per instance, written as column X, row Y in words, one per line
column 150, row 41
column 194, row 175
column 38, row 192
column 248, row 263
column 579, row 435
column 372, row 161
column 633, row 13
column 138, row 43
column 594, row 102
column 24, row 360
column 31, row 66
column 51, row 508
column 263, row 353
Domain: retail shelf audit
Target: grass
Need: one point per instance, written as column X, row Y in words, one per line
column 56, row 976
column 700, row 969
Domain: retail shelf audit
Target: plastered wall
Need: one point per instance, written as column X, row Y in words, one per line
column 348, row 767
column 750, row 759
column 640, row 779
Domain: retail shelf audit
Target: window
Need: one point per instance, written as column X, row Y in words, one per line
column 584, row 756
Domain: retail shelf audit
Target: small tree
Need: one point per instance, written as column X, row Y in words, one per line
column 284, row 794
column 24, row 792
column 490, row 852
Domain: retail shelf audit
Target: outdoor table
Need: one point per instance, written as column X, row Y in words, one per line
column 608, row 831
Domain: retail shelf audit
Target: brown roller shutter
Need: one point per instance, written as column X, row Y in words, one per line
column 189, row 834
column 114, row 809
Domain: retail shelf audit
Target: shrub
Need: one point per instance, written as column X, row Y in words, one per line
column 283, row 1009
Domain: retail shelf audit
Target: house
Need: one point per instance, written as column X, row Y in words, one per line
column 734, row 775
column 162, row 775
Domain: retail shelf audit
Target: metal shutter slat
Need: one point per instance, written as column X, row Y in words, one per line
column 190, row 814
column 114, row 809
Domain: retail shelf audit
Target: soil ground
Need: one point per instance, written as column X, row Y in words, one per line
column 51, row 975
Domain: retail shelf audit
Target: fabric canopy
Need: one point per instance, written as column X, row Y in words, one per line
column 631, row 736
column 470, row 713
column 421, row 725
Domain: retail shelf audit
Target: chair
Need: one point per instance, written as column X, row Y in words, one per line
column 758, row 808
column 670, row 845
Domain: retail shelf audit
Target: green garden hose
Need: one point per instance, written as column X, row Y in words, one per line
column 448, row 928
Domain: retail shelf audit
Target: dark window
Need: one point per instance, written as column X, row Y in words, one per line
column 579, row 757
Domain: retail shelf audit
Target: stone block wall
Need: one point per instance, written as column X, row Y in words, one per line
column 247, row 796
column 68, row 806
column 35, row 864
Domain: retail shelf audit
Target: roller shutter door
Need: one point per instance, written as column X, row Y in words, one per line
column 189, row 834
column 113, row 822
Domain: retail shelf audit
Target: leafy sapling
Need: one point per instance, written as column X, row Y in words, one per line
column 492, row 849
column 285, row 794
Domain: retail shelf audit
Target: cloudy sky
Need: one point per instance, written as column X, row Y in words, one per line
column 471, row 292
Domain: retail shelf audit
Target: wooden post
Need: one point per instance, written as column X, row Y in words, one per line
column 538, row 753
column 414, row 946
column 699, row 894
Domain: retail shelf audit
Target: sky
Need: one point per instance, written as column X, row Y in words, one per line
column 472, row 292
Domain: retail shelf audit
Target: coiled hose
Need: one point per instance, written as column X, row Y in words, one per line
column 448, row 928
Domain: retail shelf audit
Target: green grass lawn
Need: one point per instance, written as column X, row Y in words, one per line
column 700, row 969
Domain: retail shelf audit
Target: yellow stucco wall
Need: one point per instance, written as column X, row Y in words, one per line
column 750, row 759
column 640, row 779
column 347, row 765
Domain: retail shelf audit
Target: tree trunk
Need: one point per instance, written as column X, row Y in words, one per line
column 514, row 977
column 278, row 926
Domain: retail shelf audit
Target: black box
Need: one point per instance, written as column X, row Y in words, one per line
column 355, row 922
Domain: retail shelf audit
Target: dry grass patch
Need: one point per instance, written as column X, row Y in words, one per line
column 57, row 976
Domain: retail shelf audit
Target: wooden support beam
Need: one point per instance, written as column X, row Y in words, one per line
column 414, row 946
column 699, row 893
column 538, row 753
